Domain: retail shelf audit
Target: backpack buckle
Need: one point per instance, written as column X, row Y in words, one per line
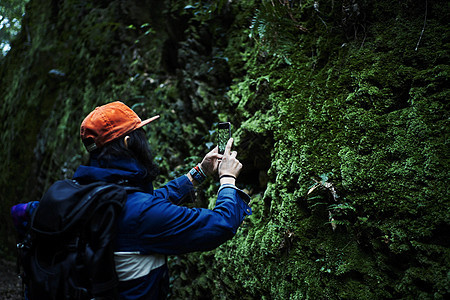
column 73, row 246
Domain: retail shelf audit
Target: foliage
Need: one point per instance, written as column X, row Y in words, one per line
column 11, row 14
column 329, row 112
column 339, row 112
column 276, row 29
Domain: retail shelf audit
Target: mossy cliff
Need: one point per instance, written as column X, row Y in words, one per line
column 340, row 115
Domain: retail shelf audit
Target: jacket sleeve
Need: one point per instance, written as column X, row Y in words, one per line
column 177, row 191
column 166, row 228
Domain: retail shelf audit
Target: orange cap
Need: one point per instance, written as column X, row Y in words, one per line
column 109, row 122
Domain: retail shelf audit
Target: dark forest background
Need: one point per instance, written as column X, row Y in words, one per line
column 340, row 116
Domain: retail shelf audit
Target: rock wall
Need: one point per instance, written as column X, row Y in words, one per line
column 339, row 111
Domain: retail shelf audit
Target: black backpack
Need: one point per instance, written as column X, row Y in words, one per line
column 68, row 250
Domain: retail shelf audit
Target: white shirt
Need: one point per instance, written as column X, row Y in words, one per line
column 132, row 265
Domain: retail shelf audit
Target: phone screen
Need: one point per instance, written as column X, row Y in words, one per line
column 224, row 134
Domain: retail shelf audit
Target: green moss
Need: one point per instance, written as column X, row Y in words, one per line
column 339, row 120
column 364, row 125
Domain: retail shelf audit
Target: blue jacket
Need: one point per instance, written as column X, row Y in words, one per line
column 152, row 222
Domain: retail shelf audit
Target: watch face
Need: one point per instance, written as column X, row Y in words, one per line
column 196, row 175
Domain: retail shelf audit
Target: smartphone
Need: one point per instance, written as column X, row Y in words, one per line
column 224, row 134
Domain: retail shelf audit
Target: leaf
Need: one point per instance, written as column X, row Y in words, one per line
column 332, row 222
column 313, row 188
column 318, row 203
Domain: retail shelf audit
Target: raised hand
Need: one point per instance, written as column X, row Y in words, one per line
column 210, row 162
column 229, row 167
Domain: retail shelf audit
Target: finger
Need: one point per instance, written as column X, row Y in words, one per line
column 233, row 154
column 228, row 147
column 214, row 150
column 215, row 155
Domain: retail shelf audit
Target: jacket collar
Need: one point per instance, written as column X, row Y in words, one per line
column 124, row 171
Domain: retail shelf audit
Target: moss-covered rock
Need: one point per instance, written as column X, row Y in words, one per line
column 339, row 112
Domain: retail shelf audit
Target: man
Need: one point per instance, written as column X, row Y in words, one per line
column 152, row 224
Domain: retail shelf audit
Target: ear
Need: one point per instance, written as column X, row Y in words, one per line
column 125, row 140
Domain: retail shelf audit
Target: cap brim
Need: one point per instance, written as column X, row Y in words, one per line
column 145, row 122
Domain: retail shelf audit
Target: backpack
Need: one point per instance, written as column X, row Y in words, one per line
column 67, row 252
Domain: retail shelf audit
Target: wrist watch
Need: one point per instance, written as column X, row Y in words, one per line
column 197, row 175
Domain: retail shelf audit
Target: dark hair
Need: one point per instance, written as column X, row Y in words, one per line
column 138, row 148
